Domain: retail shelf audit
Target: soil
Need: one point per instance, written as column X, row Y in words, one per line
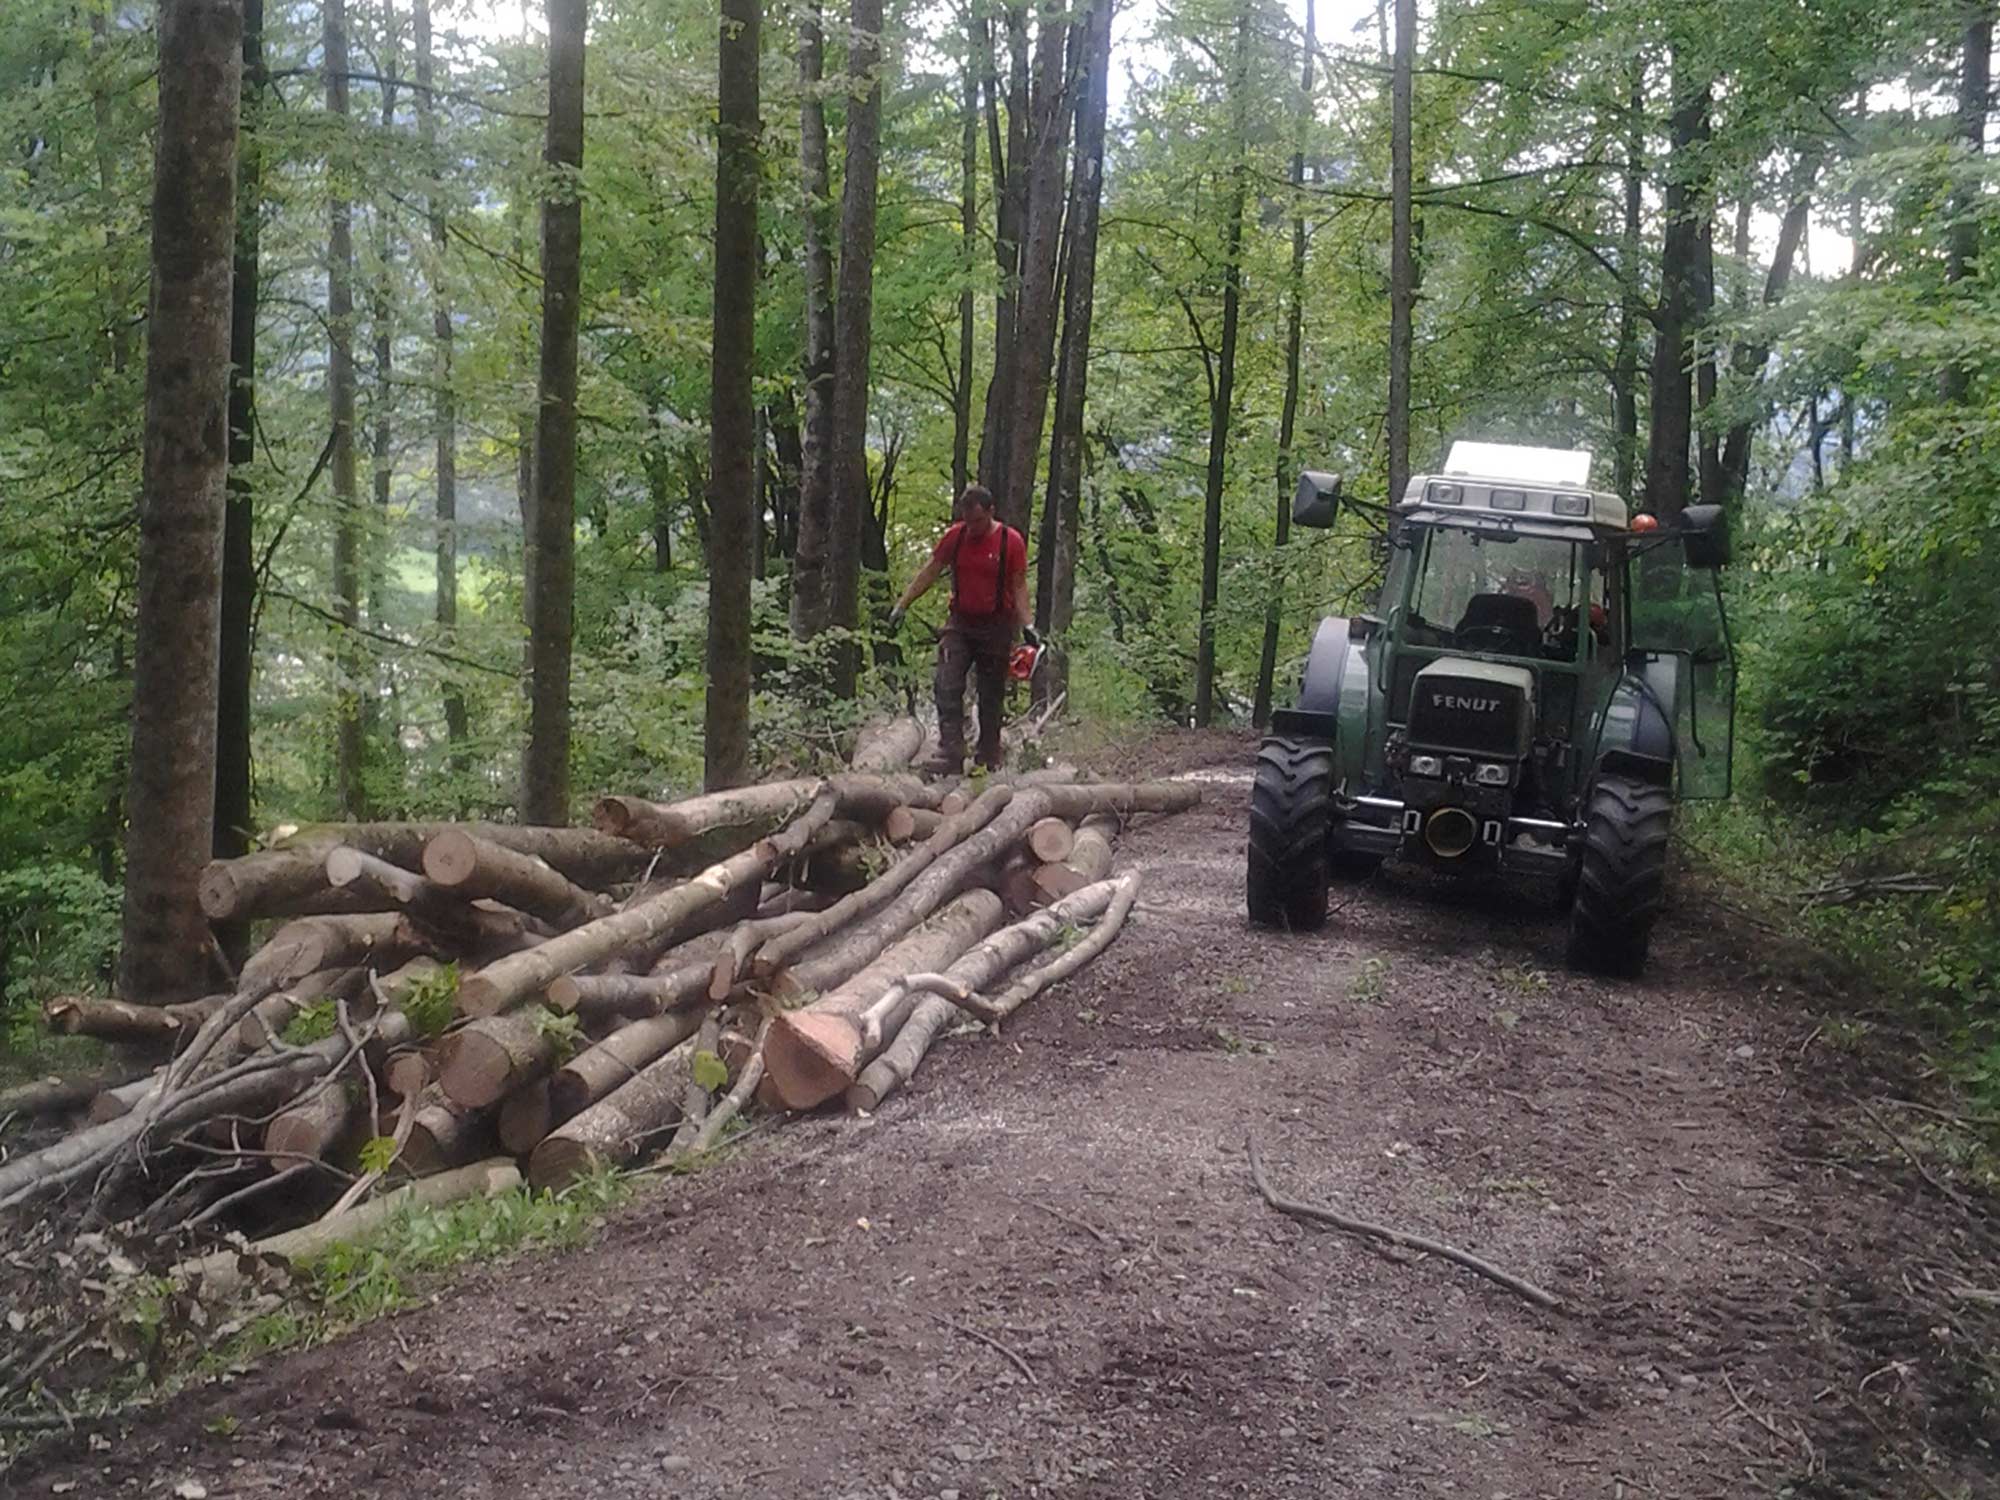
column 1043, row 1269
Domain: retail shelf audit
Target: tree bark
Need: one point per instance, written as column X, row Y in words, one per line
column 1010, row 198
column 290, row 880
column 486, row 1060
column 233, row 814
column 506, row 983
column 992, row 958
column 611, row 1131
column 350, row 743
column 1402, row 264
column 1088, row 862
column 471, row 866
column 444, row 401
column 1223, row 396
column 381, row 315
column 1625, row 361
column 593, row 1073
column 377, row 885
column 311, row 944
column 311, row 1129
column 812, row 1055
column 853, row 331
column 123, row 1021
column 733, row 508
column 1035, row 308
column 552, row 537
column 968, row 239
column 444, row 1135
column 888, row 746
column 1750, row 358
column 739, row 816
column 56, row 1096
column 1975, row 86
column 818, row 539
column 170, row 795
column 1672, row 381
column 1055, row 594
column 1295, row 297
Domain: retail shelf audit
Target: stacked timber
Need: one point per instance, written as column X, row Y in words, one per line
column 428, row 995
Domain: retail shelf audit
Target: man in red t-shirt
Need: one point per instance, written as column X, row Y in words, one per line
column 989, row 602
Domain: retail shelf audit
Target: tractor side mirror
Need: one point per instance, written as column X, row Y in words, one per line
column 1317, row 500
column 1705, row 536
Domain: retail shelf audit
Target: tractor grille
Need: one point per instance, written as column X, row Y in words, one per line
column 1555, row 694
column 1467, row 714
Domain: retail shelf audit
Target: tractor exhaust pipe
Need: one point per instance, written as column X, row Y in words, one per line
column 1450, row 832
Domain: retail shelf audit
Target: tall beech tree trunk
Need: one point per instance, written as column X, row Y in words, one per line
column 1295, row 299
column 349, row 523
column 1402, row 262
column 382, row 316
column 1010, row 200
column 1035, row 309
column 444, row 403
column 552, row 536
column 818, row 539
column 1750, row 359
column 1224, row 393
column 1975, row 80
column 233, row 815
column 1680, row 290
column 170, row 797
column 733, row 508
column 1708, row 442
column 1062, row 511
column 853, row 334
column 968, row 233
column 1625, row 362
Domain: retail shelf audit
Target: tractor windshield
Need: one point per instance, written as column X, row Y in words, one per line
column 1508, row 593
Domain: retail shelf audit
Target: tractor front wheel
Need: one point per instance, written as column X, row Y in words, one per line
column 1290, row 803
column 1621, row 880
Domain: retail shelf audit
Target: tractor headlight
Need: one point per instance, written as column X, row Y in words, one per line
column 1490, row 774
column 1426, row 765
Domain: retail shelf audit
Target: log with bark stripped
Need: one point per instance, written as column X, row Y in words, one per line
column 812, row 1054
column 985, row 963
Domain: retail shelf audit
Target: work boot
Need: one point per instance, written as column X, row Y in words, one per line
column 944, row 763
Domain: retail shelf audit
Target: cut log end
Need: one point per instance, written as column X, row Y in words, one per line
column 1051, row 839
column 809, row 1057
column 452, row 857
column 526, row 1118
column 558, row 1161
column 563, row 994
column 478, row 996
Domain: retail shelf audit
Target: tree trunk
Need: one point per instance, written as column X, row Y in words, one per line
column 1672, row 384
column 968, row 240
column 1625, row 362
column 170, row 795
column 552, row 538
column 444, row 403
column 1750, row 359
column 233, row 815
column 812, row 1055
column 1975, row 78
column 1708, row 442
column 853, row 332
column 723, row 822
column 1035, row 314
column 818, row 538
column 1223, row 397
column 123, row 1021
column 595, row 1072
column 444, row 1136
column 381, row 314
column 1010, row 196
column 1402, row 264
column 350, row 743
column 1055, row 595
column 611, row 1131
column 311, row 1129
column 1295, row 297
column 308, row 945
column 733, row 508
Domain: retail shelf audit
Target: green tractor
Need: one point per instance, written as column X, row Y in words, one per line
column 1540, row 683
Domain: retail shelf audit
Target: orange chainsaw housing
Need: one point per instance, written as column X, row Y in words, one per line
column 1021, row 665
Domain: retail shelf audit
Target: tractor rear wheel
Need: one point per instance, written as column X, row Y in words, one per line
column 1621, row 880
column 1290, row 803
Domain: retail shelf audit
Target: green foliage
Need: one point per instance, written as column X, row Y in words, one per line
column 58, row 931
column 312, row 1023
column 564, row 1029
column 378, row 1154
column 710, row 1071
column 432, row 1001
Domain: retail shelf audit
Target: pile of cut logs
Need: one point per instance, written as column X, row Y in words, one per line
column 435, row 995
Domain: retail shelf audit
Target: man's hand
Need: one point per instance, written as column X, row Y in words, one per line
column 896, row 616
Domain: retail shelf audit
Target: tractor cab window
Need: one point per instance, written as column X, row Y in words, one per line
column 1502, row 592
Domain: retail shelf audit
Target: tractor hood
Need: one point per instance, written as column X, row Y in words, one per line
column 1477, row 707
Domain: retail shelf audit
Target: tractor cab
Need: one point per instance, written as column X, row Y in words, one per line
column 1532, row 644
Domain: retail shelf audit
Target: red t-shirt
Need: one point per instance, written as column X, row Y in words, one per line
column 975, row 568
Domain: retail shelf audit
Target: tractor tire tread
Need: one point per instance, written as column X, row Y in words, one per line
column 1291, row 805
column 1621, row 878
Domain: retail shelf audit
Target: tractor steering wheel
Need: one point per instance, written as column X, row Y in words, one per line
column 1492, row 638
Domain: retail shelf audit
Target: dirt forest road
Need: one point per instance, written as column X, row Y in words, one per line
column 1044, row 1270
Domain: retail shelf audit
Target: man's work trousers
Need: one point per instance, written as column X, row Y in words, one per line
column 978, row 646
